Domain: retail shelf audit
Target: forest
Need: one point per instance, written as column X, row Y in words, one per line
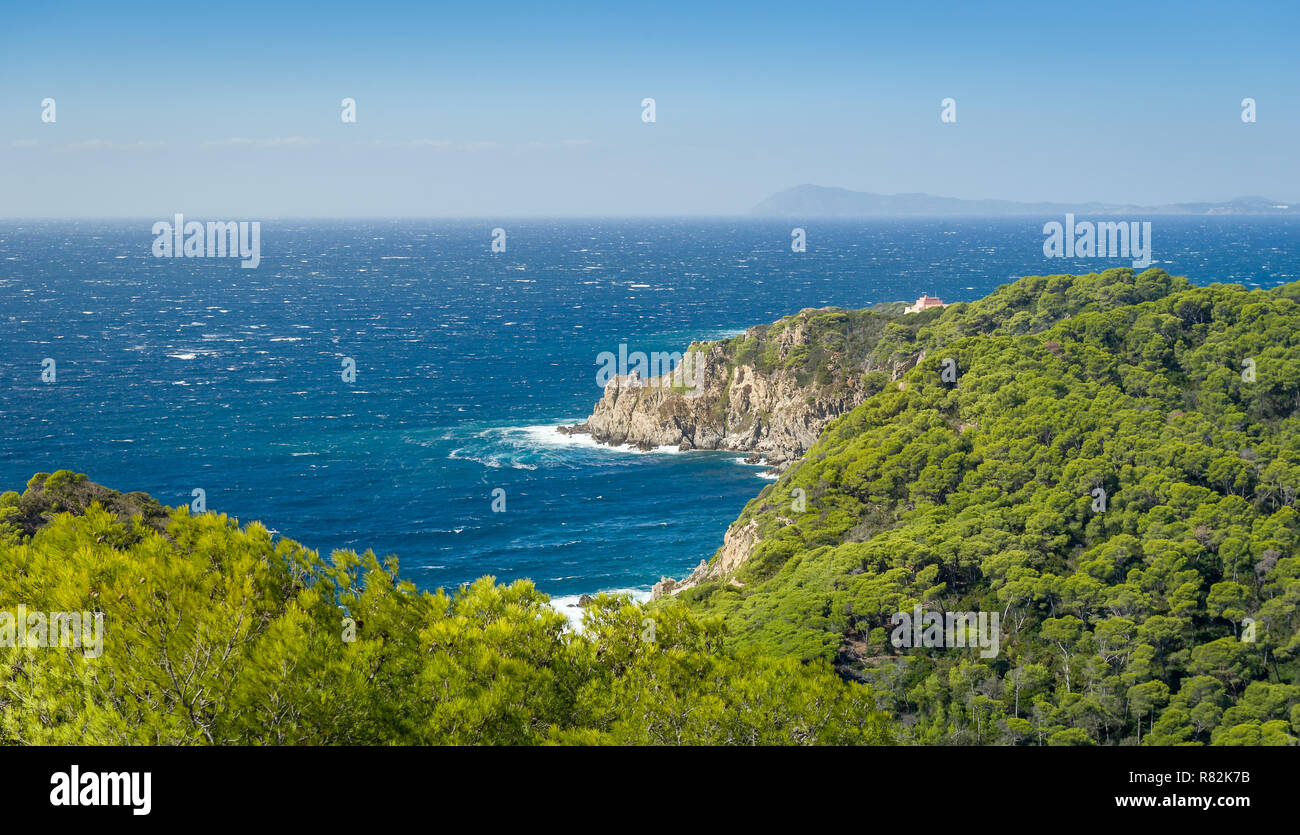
column 1113, row 469
column 217, row 634
column 1109, row 462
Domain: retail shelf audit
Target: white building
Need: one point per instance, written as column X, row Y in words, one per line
column 924, row 303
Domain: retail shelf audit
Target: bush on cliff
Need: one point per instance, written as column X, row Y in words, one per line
column 217, row 634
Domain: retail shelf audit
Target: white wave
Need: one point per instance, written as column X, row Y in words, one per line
column 489, row 461
column 567, row 604
column 548, row 435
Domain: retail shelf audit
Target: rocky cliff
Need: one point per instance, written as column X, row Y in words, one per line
column 773, row 390
column 768, row 393
column 739, row 540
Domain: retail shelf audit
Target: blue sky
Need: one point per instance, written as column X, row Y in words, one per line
column 505, row 109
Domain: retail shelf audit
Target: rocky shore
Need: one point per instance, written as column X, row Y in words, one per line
column 767, row 394
column 768, row 413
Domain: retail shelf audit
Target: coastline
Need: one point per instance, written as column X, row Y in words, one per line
column 572, row 606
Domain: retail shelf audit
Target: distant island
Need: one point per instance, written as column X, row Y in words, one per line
column 825, row 201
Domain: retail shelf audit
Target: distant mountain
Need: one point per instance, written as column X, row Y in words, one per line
column 824, row 201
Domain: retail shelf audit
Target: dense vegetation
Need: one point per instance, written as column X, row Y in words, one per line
column 216, row 634
column 828, row 346
column 1114, row 471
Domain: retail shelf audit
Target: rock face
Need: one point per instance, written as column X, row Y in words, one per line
column 769, row 394
column 737, row 544
column 773, row 410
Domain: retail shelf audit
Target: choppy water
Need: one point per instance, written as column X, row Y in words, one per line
column 175, row 374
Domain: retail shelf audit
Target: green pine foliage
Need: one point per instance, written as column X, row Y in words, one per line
column 217, row 634
column 1165, row 612
column 1121, row 625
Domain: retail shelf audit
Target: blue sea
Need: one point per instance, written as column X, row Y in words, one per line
column 184, row 373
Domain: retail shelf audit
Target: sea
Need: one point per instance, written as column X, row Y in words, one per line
column 177, row 375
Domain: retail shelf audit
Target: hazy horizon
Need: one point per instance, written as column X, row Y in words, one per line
column 497, row 219
column 519, row 112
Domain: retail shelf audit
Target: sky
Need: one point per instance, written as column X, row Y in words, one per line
column 506, row 109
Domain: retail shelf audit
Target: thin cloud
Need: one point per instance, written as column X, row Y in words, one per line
column 563, row 143
column 88, row 145
column 99, row 145
column 446, row 145
column 272, row 142
column 482, row 145
column 431, row 144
